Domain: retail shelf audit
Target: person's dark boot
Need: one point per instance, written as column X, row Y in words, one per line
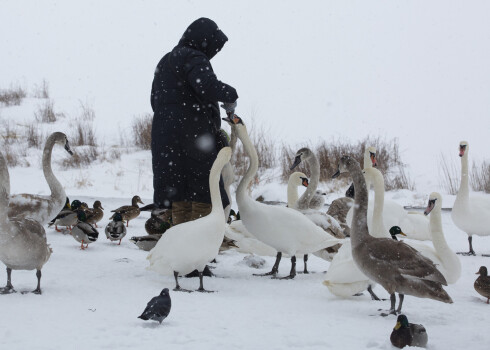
column 181, row 212
column 200, row 210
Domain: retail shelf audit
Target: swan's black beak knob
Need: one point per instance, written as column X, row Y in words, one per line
column 336, row 174
column 297, row 160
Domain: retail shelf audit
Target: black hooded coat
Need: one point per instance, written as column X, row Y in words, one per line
column 186, row 121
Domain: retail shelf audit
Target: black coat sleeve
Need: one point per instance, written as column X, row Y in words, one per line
column 200, row 75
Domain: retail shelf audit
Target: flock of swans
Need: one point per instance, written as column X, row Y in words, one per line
column 361, row 250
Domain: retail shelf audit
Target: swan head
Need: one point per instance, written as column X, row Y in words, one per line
column 370, row 153
column 396, row 230
column 482, row 271
column 435, row 199
column 301, row 155
column 233, row 120
column 345, row 163
column 61, row 139
column 463, row 148
column 298, row 179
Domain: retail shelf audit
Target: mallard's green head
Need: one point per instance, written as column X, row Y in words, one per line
column 396, row 230
column 117, row 217
column 401, row 322
column 75, row 204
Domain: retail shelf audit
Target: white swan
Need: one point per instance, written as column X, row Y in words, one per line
column 43, row 208
column 285, row 229
column 445, row 259
column 247, row 242
column 470, row 214
column 191, row 245
column 23, row 244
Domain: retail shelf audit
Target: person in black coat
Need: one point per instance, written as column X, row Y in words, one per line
column 186, row 134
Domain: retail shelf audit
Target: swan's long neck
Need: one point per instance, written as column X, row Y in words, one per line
column 464, row 189
column 367, row 160
column 241, row 193
column 292, row 193
column 54, row 184
column 435, row 223
column 359, row 229
column 378, row 227
column 314, row 164
column 214, row 175
column 4, row 190
column 448, row 258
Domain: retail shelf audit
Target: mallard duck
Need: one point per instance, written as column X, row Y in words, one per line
column 95, row 214
column 129, row 212
column 83, row 232
column 23, row 240
column 67, row 217
column 482, row 283
column 115, row 230
column 394, row 265
column 147, row 242
column 37, row 207
column 65, row 209
column 408, row 334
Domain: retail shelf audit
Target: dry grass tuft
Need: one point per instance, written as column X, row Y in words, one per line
column 46, row 114
column 82, row 156
column 12, row 96
column 41, row 90
column 34, row 136
column 142, row 131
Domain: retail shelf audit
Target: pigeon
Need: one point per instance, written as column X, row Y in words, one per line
column 158, row 307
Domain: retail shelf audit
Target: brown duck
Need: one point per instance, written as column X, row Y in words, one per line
column 95, row 214
column 129, row 212
column 482, row 283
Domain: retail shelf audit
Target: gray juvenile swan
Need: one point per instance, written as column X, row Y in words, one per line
column 23, row 244
column 37, row 207
column 393, row 264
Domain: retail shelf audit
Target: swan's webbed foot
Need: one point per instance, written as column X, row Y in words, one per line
column 270, row 273
column 204, row 290
column 275, row 268
column 179, row 289
column 470, row 253
column 390, row 312
column 289, row 277
column 7, row 290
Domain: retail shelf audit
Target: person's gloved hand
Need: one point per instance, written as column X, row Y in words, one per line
column 229, row 107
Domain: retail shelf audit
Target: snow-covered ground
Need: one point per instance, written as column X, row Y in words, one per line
column 91, row 300
column 305, row 71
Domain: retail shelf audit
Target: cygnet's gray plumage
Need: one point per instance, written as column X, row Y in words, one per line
column 23, row 244
column 393, row 264
column 158, row 307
